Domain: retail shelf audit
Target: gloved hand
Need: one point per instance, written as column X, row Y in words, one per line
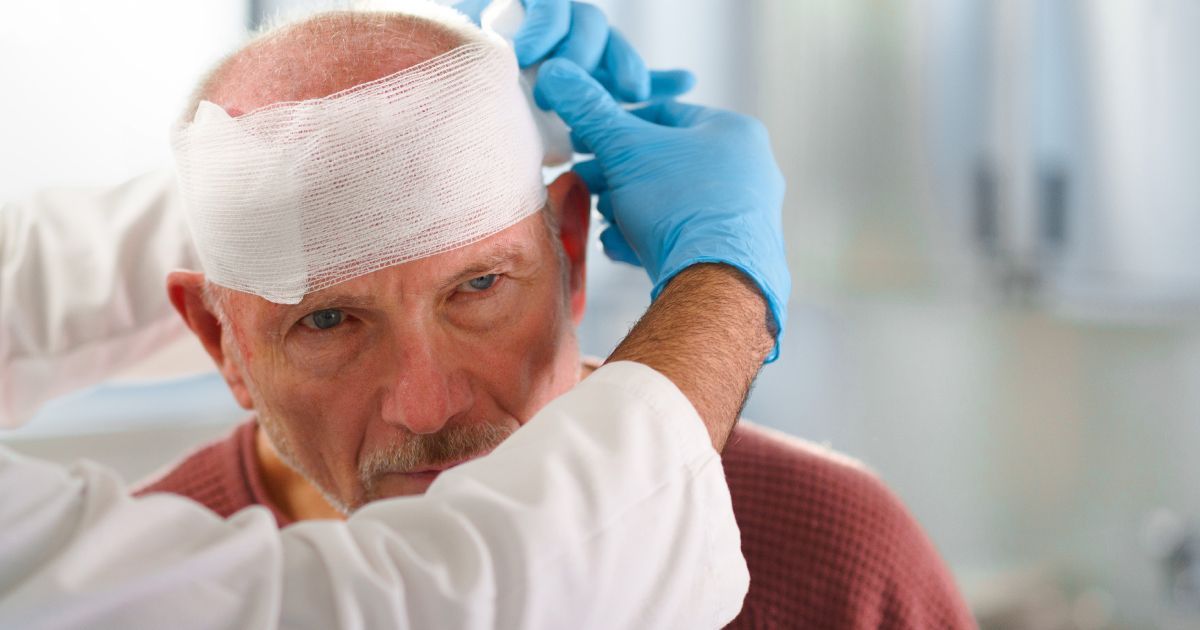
column 679, row 184
column 579, row 32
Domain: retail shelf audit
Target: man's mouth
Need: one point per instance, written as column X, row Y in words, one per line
column 436, row 469
column 416, row 481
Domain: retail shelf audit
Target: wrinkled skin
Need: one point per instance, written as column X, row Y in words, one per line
column 372, row 386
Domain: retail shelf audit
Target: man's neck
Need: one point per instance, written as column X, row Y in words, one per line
column 293, row 495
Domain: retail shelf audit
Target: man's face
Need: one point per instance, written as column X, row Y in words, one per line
column 371, row 387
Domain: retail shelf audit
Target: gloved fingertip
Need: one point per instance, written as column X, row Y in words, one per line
column 687, row 79
column 617, row 248
column 633, row 85
column 604, row 207
column 528, row 51
column 540, row 99
column 666, row 84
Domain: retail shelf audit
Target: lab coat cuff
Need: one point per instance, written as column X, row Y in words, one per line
column 678, row 416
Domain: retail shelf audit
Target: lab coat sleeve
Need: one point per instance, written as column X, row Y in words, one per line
column 82, row 286
column 609, row 509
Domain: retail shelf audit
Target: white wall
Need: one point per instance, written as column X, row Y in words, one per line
column 92, row 87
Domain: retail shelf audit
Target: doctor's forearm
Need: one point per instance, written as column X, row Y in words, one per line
column 707, row 332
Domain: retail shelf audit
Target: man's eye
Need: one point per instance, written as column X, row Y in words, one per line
column 482, row 283
column 323, row 319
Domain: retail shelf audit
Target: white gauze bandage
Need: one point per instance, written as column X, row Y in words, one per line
column 296, row 197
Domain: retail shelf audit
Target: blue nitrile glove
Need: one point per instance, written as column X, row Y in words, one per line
column 580, row 32
column 679, row 184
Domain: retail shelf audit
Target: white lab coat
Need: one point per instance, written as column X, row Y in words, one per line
column 608, row 510
column 83, row 286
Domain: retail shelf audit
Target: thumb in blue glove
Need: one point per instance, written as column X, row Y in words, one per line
column 679, row 184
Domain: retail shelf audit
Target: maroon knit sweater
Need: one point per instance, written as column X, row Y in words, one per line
column 826, row 543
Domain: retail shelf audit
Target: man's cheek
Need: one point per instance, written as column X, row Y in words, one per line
column 291, row 395
column 320, row 427
column 549, row 366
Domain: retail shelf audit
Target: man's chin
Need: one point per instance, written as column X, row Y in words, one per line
column 393, row 485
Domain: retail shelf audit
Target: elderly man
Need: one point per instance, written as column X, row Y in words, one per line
column 375, row 386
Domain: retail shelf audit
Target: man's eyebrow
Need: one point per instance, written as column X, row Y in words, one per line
column 315, row 303
column 509, row 252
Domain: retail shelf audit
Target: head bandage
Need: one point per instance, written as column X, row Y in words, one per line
column 296, row 197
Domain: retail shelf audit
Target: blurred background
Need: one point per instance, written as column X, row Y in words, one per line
column 992, row 217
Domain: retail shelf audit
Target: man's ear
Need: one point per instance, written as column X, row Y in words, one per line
column 572, row 204
column 186, row 291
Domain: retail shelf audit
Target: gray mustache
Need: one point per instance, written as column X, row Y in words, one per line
column 415, row 452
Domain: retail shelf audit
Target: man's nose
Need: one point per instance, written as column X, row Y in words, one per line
column 425, row 393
